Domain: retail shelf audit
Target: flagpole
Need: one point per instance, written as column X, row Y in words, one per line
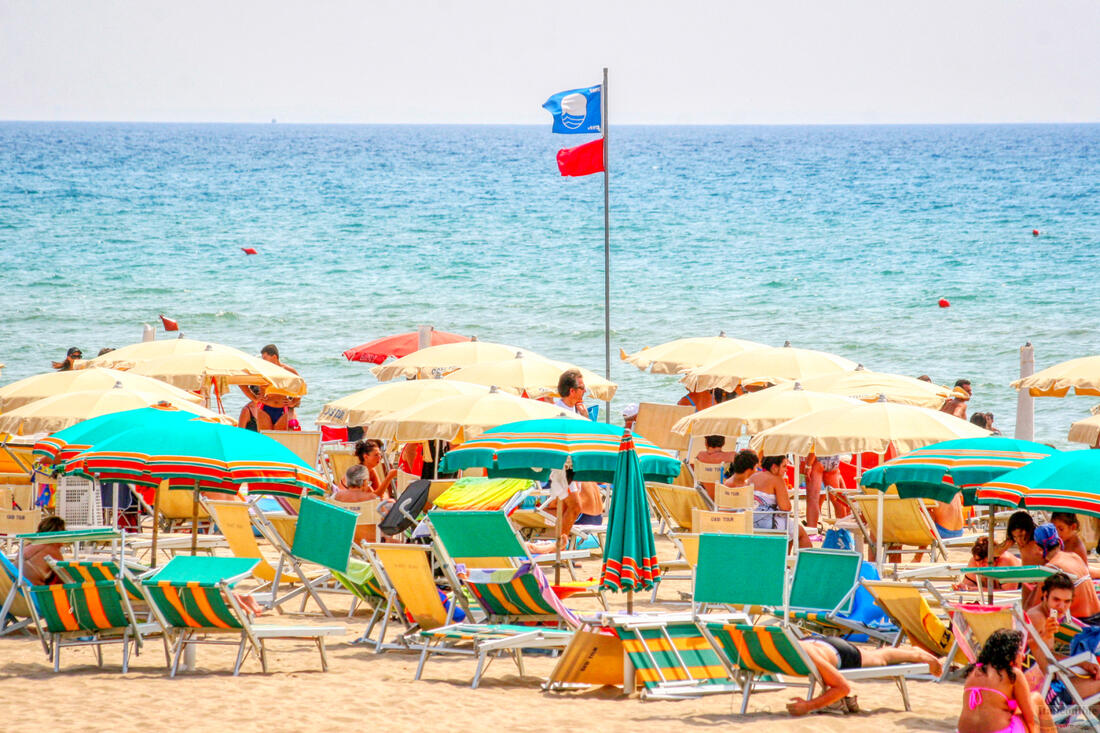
column 606, row 249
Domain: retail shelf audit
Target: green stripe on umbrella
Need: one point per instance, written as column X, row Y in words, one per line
column 531, row 448
column 941, row 470
column 64, row 444
column 1064, row 482
column 630, row 554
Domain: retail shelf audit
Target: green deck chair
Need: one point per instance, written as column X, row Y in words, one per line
column 93, row 571
column 88, row 614
column 743, row 571
column 771, row 651
column 518, row 593
column 194, row 596
column 672, row 660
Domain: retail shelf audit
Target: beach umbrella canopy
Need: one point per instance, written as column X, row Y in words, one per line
column 864, row 384
column 1085, row 431
column 129, row 356
column 863, row 427
column 196, row 454
column 630, row 554
column 64, row 444
column 49, row 384
column 51, row 414
column 398, row 345
column 221, row 366
column 1081, row 375
column 941, row 470
column 365, row 406
column 680, row 355
column 764, row 366
column 531, row 448
column 461, row 418
column 445, row 359
column 1065, row 482
column 758, row 411
column 534, row 375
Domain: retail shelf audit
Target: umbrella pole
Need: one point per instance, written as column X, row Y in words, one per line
column 156, row 523
column 630, row 601
column 557, row 543
column 989, row 552
column 195, row 520
column 796, row 507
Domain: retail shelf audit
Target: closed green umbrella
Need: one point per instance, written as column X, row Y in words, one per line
column 630, row 554
column 941, row 470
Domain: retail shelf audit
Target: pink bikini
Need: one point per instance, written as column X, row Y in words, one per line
column 975, row 699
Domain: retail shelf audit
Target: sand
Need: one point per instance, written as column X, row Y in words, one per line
column 364, row 689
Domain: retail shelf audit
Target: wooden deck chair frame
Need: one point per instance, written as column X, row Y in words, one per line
column 252, row 637
column 782, row 643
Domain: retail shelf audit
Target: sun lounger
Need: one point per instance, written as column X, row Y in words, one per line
column 405, row 581
column 906, row 523
column 768, row 651
column 19, row 616
column 909, row 609
column 483, row 494
column 194, row 596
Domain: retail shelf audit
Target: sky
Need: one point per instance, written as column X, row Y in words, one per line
column 701, row 62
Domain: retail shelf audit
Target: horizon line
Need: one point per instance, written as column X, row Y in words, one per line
column 275, row 121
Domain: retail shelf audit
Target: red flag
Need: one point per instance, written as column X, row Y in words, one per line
column 169, row 324
column 582, row 160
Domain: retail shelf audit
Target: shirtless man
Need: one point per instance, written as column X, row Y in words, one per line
column 948, row 517
column 714, row 452
column 832, row 654
column 35, row 568
column 699, row 400
column 956, row 405
column 1056, row 598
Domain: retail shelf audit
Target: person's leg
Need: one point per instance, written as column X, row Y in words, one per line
column 813, row 500
column 886, row 656
column 1042, row 712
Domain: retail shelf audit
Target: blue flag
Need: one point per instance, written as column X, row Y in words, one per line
column 576, row 111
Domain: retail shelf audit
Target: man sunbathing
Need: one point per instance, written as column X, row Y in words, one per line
column 831, row 654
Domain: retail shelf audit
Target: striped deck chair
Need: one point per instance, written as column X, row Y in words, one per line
column 671, row 660
column 20, row 613
column 909, row 609
column 511, row 594
column 774, row 651
column 94, row 571
column 89, row 614
column 484, row 494
column 407, row 583
column 193, row 595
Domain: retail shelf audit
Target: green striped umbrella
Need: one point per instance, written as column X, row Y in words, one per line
column 1064, row 482
column 64, row 444
column 941, row 470
column 630, row 554
column 531, row 448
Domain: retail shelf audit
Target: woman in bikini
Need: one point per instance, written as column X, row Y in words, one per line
column 996, row 698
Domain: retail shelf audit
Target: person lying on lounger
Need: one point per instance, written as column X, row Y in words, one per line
column 831, row 654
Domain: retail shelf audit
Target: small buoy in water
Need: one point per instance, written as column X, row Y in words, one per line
column 1034, row 232
column 249, row 251
column 169, row 324
column 945, row 303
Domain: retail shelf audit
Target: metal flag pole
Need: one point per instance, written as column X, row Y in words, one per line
column 606, row 249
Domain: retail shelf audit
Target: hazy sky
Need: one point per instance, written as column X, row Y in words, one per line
column 765, row 61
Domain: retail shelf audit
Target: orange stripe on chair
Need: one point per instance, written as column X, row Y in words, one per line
column 498, row 596
column 203, row 603
column 767, row 644
column 95, row 607
column 64, row 608
column 85, row 574
column 743, row 652
column 173, row 597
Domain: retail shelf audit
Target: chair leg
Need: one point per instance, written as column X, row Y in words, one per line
column 423, row 659
column 98, row 653
column 904, row 693
column 324, row 657
column 481, row 656
column 180, row 644
column 56, row 652
column 241, row 653
column 263, row 654
column 126, row 652
column 746, row 690
column 517, row 654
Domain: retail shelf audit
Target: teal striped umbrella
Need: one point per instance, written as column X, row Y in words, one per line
column 630, row 554
column 941, row 470
column 531, row 448
column 1065, row 482
column 64, row 444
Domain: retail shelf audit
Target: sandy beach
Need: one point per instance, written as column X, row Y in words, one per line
column 362, row 687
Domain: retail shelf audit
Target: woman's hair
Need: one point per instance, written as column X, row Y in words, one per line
column 715, row 441
column 745, row 460
column 980, row 548
column 770, row 461
column 364, row 448
column 1000, row 651
column 1021, row 520
column 52, row 524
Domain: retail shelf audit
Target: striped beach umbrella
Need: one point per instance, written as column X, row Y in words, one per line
column 1065, row 482
column 531, row 448
column 630, row 554
column 941, row 470
column 64, row 444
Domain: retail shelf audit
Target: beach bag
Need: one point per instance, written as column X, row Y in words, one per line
column 838, row 538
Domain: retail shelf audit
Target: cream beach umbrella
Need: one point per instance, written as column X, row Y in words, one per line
column 461, row 418
column 1081, row 375
column 127, row 357
column 222, row 366
column 60, row 411
column 864, row 384
column 758, row 411
column 680, row 355
column 365, row 406
column 535, row 375
column 764, row 366
column 863, row 427
column 446, row 358
column 49, row 384
column 1085, row 431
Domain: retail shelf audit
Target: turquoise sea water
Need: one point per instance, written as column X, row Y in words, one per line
column 835, row 238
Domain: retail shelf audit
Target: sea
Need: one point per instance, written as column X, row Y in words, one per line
column 840, row 238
